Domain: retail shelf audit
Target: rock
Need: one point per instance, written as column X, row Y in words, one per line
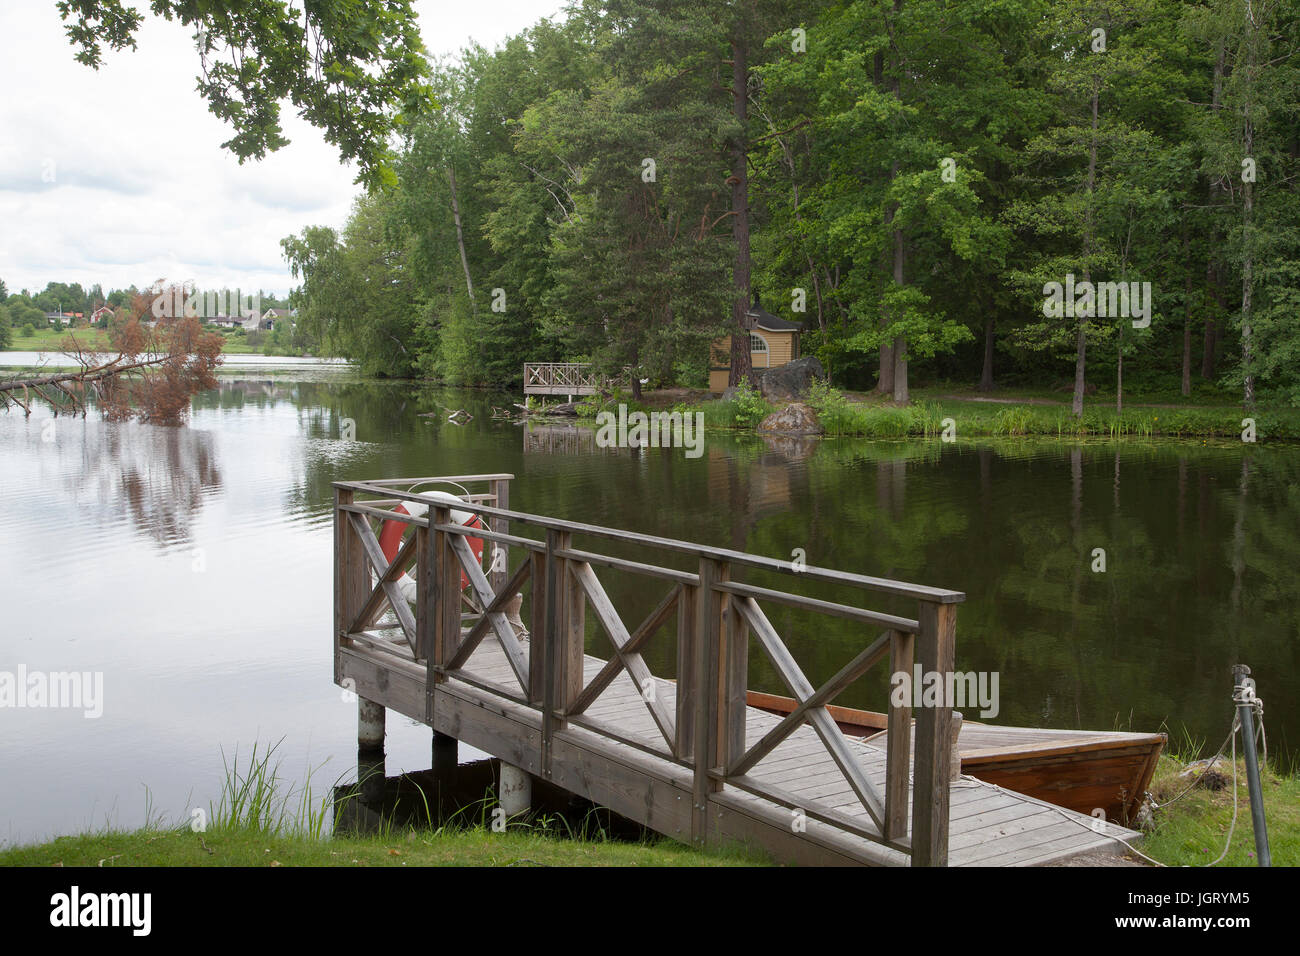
column 1209, row 774
column 793, row 419
column 791, row 381
column 1145, row 819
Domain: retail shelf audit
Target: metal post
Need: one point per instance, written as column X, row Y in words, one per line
column 1244, row 695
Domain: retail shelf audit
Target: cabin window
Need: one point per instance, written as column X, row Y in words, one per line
column 758, row 346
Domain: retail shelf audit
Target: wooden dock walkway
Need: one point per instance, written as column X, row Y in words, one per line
column 569, row 379
column 614, row 733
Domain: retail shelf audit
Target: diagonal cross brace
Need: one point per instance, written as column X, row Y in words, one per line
column 375, row 555
column 815, row 714
column 480, row 628
column 371, row 608
column 505, row 634
column 628, row 657
column 820, row 698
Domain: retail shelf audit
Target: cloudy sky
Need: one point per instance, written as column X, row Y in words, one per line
column 117, row 176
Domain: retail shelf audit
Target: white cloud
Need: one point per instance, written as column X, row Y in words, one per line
column 117, row 176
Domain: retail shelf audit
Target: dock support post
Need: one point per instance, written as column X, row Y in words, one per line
column 370, row 725
column 499, row 568
column 445, row 752
column 898, row 739
column 516, row 790
column 1244, row 695
column 711, row 698
column 932, row 766
column 371, row 777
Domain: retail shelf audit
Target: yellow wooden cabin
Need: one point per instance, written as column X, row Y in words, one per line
column 772, row 342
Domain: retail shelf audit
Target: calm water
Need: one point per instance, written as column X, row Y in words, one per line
column 192, row 567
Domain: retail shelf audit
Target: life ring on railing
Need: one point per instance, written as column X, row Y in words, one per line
column 390, row 535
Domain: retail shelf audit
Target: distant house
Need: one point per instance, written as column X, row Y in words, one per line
column 772, row 342
column 102, row 313
column 272, row 316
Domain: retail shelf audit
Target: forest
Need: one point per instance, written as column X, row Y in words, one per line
column 913, row 180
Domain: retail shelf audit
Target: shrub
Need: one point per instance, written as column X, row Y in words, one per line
column 750, row 406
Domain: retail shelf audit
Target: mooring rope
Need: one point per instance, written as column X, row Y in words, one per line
column 1238, row 698
column 1236, row 725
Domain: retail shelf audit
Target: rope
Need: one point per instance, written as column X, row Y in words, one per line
column 1242, row 694
column 1236, row 725
column 1208, row 767
column 1239, row 697
column 1066, row 814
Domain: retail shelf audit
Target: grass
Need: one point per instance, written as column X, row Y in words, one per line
column 477, row 846
column 1192, row 830
column 263, row 819
column 48, row 340
column 843, row 415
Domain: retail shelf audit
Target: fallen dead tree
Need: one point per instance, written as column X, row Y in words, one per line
column 154, row 374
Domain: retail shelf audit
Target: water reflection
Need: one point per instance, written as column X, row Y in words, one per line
column 156, row 478
column 164, row 480
column 1202, row 543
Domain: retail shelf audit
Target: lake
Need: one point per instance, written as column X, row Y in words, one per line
column 192, row 568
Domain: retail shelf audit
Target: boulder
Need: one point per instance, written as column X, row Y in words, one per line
column 793, row 419
column 791, row 381
column 1212, row 774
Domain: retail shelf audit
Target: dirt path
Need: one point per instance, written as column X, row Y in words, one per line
column 998, row 401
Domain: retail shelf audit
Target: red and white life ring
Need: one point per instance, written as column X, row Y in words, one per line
column 390, row 535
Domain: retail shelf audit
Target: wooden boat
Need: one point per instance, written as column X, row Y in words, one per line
column 1080, row 770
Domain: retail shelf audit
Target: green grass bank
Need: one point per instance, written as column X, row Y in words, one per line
column 938, row 413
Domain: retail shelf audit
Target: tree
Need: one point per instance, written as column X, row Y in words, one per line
column 357, row 296
column 354, row 70
column 639, row 250
column 638, row 266
column 1250, row 154
column 6, row 330
column 1085, row 176
column 153, row 377
column 893, row 190
column 23, row 314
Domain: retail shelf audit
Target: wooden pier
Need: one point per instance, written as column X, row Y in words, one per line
column 685, row 757
column 563, row 378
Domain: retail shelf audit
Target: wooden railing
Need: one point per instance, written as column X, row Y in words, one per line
column 565, row 378
column 705, row 728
